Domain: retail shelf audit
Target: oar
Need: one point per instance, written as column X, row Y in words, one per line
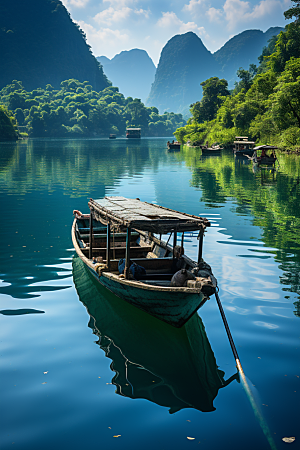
column 245, row 384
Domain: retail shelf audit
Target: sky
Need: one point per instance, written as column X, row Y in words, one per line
column 112, row 26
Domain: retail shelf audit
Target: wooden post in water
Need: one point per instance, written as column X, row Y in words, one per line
column 200, row 251
column 91, row 237
column 127, row 254
column 108, row 246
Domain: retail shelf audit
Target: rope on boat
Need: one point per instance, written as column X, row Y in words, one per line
column 100, row 268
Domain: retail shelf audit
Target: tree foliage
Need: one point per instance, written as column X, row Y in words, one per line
column 8, row 128
column 77, row 110
column 264, row 105
column 214, row 93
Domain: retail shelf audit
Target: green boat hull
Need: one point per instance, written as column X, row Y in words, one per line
column 166, row 304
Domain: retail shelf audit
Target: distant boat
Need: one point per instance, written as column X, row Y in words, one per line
column 214, row 149
column 112, row 136
column 267, row 156
column 134, row 133
column 126, row 257
column 173, row 368
column 243, row 147
column 173, row 145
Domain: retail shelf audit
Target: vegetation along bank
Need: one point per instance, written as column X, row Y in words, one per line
column 265, row 102
column 76, row 110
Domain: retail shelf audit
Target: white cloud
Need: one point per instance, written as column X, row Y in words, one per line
column 265, row 7
column 214, row 15
column 189, row 26
column 169, row 20
column 113, row 15
column 120, row 3
column 105, row 40
column 143, row 12
column 110, row 15
column 193, row 5
column 76, row 3
column 237, row 11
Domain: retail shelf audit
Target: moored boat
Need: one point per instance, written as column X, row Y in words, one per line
column 120, row 243
column 214, row 149
column 134, row 133
column 173, row 145
column 173, row 368
column 266, row 156
column 112, row 136
column 243, row 147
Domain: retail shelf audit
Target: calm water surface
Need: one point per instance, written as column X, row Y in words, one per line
column 80, row 369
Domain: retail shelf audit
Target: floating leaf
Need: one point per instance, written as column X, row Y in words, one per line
column 117, row 435
column 44, row 382
column 190, row 438
column 46, row 372
column 288, row 440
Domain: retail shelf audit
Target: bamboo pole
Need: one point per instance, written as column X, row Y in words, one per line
column 245, row 384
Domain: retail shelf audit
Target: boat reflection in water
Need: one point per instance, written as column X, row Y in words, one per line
column 171, row 367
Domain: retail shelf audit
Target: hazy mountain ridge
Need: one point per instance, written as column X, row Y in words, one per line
column 131, row 71
column 185, row 62
column 40, row 45
column 177, row 81
column 241, row 51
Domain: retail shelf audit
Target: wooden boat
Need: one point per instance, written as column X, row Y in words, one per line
column 117, row 242
column 267, row 156
column 134, row 133
column 243, row 147
column 214, row 149
column 174, row 368
column 112, row 136
column 173, row 145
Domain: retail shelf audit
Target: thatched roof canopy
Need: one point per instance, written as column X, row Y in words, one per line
column 133, row 213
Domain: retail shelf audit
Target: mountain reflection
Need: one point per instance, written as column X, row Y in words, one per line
column 175, row 368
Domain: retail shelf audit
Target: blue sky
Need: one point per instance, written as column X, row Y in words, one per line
column 115, row 25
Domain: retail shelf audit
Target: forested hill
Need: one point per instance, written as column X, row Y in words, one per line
column 241, row 51
column 264, row 104
column 40, row 45
column 183, row 64
column 132, row 71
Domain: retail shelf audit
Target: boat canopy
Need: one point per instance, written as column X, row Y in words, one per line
column 244, row 142
column 265, row 147
column 133, row 213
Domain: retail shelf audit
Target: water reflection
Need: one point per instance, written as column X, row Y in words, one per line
column 175, row 368
column 20, row 312
column 271, row 196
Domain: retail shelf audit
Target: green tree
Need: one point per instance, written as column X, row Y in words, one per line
column 8, row 127
column 294, row 11
column 214, row 94
column 286, row 97
column 246, row 77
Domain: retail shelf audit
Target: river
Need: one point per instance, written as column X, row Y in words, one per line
column 80, row 369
